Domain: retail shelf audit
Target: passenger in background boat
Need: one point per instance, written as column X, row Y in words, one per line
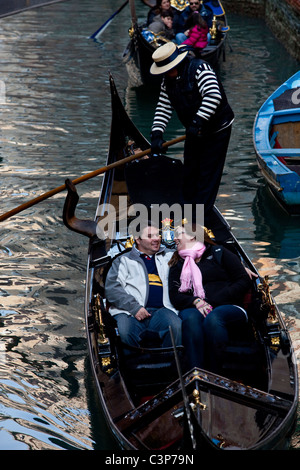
column 137, row 292
column 181, row 18
column 207, row 283
column 161, row 5
column 162, row 25
column 197, row 31
column 191, row 87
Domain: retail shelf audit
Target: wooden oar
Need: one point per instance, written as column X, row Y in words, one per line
column 83, row 178
column 186, row 403
column 99, row 31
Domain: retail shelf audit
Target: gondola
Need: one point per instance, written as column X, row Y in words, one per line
column 276, row 136
column 137, row 55
column 149, row 402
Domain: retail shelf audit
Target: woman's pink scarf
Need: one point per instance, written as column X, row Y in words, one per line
column 191, row 276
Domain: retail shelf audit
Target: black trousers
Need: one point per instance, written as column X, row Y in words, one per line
column 204, row 160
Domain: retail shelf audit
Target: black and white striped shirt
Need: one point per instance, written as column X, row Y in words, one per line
column 209, row 90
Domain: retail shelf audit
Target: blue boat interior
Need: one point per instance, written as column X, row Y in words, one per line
column 284, row 139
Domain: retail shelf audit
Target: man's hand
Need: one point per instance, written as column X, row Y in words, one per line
column 156, row 142
column 195, row 129
column 142, row 314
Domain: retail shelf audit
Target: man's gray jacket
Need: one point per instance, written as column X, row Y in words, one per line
column 127, row 285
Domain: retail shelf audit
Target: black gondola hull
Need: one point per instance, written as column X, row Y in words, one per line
column 255, row 410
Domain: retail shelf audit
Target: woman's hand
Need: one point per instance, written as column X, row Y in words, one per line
column 203, row 307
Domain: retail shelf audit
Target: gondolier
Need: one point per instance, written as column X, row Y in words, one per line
column 191, row 87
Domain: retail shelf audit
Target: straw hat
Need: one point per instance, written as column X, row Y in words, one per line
column 166, row 57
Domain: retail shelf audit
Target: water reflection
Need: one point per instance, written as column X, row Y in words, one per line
column 278, row 230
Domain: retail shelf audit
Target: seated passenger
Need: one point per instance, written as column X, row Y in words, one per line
column 181, row 17
column 161, row 5
column 197, row 31
column 162, row 25
column 136, row 288
column 207, row 283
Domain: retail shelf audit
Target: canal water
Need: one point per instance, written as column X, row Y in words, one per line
column 55, row 124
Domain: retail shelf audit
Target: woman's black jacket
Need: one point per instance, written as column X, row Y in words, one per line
column 224, row 279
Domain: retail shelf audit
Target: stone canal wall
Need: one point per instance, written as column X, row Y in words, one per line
column 281, row 16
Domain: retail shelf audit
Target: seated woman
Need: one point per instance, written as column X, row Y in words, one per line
column 159, row 7
column 207, row 283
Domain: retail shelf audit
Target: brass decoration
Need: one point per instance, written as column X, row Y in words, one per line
column 158, row 39
column 107, row 365
column 275, row 343
column 213, row 30
column 129, row 243
column 275, row 340
column 179, row 4
column 198, row 403
column 105, row 361
column 267, row 300
column 209, row 232
column 130, row 32
column 102, row 339
column 167, row 231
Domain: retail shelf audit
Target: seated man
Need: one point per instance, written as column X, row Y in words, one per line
column 137, row 290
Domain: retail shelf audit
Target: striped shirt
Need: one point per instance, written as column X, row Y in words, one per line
column 209, row 91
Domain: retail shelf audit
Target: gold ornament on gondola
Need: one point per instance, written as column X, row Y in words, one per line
column 158, row 40
column 179, row 4
column 129, row 243
column 267, row 300
column 102, row 339
column 167, row 231
column 213, row 30
column 130, row 32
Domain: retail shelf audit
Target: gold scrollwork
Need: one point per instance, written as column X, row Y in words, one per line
column 102, row 339
column 130, row 32
column 129, row 243
column 158, row 39
column 267, row 300
column 105, row 361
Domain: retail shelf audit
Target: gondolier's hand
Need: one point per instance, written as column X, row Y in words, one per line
column 141, row 314
column 195, row 129
column 156, row 142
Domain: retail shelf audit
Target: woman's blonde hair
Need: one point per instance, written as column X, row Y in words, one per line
column 196, row 231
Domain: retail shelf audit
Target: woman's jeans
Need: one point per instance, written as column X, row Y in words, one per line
column 131, row 330
column 204, row 339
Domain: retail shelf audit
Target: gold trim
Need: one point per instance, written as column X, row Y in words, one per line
column 101, row 338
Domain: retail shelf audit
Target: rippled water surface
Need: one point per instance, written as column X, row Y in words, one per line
column 54, row 124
